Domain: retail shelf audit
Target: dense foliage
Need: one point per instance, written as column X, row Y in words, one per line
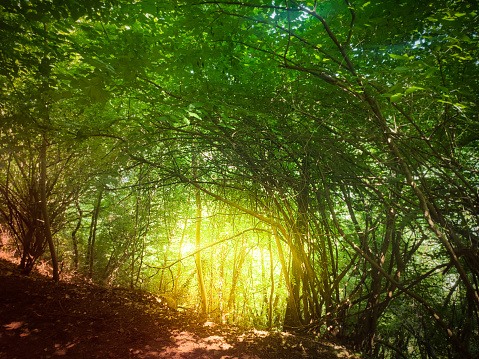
column 298, row 164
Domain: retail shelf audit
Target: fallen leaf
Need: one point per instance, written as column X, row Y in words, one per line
column 13, row 325
column 25, row 333
column 60, row 352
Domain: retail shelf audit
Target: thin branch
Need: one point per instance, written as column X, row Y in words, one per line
column 353, row 18
column 292, row 34
column 331, row 35
column 209, row 246
column 289, row 37
column 159, row 87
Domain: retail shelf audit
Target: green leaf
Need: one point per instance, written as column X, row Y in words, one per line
column 399, row 57
column 193, row 114
column 401, row 68
column 413, row 89
column 396, row 97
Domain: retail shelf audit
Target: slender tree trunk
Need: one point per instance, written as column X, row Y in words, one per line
column 212, row 280
column 221, row 287
column 199, row 269
column 92, row 236
column 74, row 237
column 27, row 241
column 292, row 316
column 135, row 235
column 46, row 219
column 178, row 272
column 144, row 230
column 45, row 72
column 271, row 294
column 264, row 299
column 237, row 266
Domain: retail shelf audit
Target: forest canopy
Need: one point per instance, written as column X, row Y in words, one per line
column 294, row 165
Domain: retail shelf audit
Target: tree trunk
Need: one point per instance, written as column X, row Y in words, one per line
column 46, row 219
column 271, row 294
column 237, row 266
column 178, row 272
column 291, row 317
column 92, row 236
column 74, row 237
column 135, row 235
column 199, row 269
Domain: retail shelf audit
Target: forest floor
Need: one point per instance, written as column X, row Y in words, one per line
column 43, row 319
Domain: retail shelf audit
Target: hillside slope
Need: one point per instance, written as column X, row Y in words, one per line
column 43, row 319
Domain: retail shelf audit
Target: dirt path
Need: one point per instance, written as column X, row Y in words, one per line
column 41, row 319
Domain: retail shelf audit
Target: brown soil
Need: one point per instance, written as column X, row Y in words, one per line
column 43, row 319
